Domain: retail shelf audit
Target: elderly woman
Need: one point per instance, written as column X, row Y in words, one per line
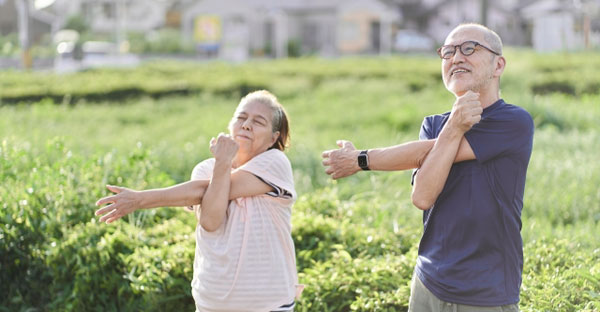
column 242, row 199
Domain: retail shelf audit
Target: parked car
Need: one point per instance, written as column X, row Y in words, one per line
column 408, row 40
column 73, row 56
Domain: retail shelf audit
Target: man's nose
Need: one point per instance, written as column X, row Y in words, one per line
column 458, row 57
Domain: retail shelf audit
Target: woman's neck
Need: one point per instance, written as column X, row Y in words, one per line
column 240, row 159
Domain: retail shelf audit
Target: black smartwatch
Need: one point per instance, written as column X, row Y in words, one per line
column 363, row 160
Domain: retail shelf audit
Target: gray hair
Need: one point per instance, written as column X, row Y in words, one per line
column 490, row 36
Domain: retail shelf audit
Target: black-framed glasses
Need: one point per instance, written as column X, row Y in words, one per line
column 466, row 48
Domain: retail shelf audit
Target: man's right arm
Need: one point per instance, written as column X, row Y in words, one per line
column 432, row 175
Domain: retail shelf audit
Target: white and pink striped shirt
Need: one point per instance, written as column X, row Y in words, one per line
column 249, row 262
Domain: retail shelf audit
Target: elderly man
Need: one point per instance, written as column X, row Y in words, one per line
column 470, row 178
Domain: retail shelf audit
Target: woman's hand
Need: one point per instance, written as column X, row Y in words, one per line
column 224, row 148
column 124, row 202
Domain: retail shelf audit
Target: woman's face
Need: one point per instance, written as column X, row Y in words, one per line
column 252, row 128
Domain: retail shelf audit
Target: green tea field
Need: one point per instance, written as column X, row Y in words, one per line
column 63, row 137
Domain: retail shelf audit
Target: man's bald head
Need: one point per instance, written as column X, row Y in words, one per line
column 491, row 37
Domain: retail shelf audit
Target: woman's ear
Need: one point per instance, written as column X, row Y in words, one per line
column 275, row 137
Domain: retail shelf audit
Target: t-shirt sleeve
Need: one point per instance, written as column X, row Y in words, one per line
column 506, row 133
column 203, row 170
column 426, row 132
column 273, row 168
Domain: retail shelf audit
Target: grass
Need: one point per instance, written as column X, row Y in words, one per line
column 356, row 238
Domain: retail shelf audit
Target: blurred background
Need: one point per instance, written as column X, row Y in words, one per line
column 130, row 92
column 67, row 35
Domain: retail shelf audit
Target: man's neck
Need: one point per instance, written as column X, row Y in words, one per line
column 488, row 98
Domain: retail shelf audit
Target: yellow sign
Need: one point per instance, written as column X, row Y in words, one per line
column 207, row 29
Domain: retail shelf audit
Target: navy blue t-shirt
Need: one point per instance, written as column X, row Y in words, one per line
column 471, row 251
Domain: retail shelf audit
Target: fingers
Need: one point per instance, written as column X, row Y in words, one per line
column 111, row 213
column 339, row 163
column 470, row 95
column 345, row 144
column 115, row 189
column 106, row 209
column 222, row 137
column 110, row 218
column 348, row 145
column 106, row 200
column 329, row 170
column 224, row 147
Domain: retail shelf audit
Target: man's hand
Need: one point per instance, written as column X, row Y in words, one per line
column 466, row 112
column 342, row 162
column 124, row 202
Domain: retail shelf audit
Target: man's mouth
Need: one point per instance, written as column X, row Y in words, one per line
column 459, row 71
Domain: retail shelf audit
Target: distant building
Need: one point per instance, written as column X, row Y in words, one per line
column 107, row 16
column 547, row 25
column 40, row 23
column 437, row 18
column 563, row 25
column 236, row 29
column 240, row 29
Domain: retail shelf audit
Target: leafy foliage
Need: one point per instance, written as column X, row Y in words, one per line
column 63, row 137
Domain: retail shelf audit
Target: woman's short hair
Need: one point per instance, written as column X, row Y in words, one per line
column 280, row 120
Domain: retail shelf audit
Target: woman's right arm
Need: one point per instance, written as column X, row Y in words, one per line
column 126, row 201
column 216, row 198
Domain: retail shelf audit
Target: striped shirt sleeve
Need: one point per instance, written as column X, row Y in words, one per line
column 274, row 169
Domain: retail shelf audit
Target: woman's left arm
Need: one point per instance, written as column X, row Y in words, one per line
column 126, row 201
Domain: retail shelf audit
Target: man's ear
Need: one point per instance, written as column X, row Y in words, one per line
column 500, row 65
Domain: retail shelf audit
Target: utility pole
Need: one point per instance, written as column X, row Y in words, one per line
column 121, row 29
column 484, row 12
column 23, row 18
column 586, row 30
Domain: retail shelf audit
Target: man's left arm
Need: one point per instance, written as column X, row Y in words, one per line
column 343, row 162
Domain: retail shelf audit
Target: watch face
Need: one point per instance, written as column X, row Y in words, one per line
column 362, row 161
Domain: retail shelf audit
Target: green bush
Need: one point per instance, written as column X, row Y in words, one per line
column 163, row 41
column 547, row 87
column 47, row 237
column 356, row 238
column 345, row 283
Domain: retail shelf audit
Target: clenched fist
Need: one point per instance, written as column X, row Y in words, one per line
column 466, row 111
column 223, row 147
